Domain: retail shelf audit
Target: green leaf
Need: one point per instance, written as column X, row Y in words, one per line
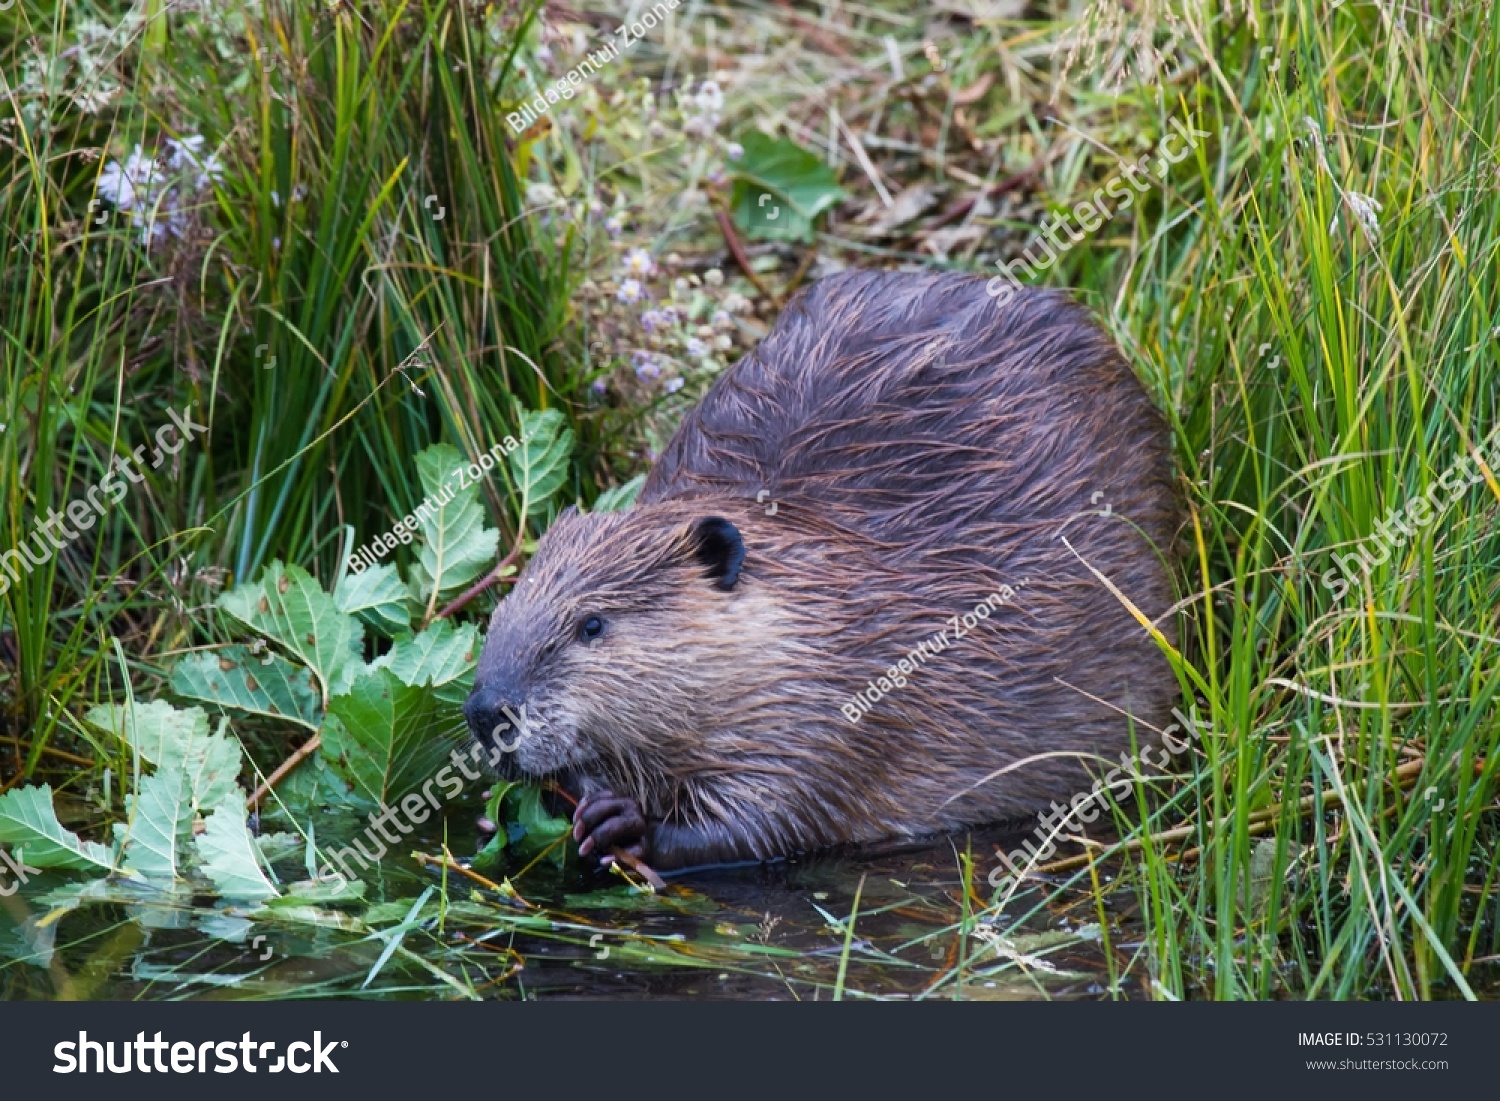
column 160, row 813
column 151, row 728
column 236, row 679
column 291, row 609
column 764, row 215
column 29, row 825
column 441, row 657
column 386, row 737
column 538, row 829
column 377, row 597
column 539, row 465
column 797, row 186
column 228, row 853
column 456, row 547
column 170, row 738
column 621, row 496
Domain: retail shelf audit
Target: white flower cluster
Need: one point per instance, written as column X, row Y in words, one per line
column 158, row 191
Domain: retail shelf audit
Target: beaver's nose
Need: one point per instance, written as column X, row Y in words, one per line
column 487, row 709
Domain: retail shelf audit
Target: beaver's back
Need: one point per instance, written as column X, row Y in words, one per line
column 913, row 409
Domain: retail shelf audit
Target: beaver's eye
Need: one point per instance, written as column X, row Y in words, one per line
column 592, row 627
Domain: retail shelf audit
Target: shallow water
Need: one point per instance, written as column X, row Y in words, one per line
column 777, row 931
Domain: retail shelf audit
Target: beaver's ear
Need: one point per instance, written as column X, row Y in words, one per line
column 719, row 549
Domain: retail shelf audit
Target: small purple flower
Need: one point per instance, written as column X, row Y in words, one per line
column 697, row 349
column 598, row 387
column 630, row 291
column 673, row 385
column 646, row 368
column 734, row 150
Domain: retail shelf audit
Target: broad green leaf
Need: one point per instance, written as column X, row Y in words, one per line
column 228, row 853
column 620, row 496
column 235, row 679
column 796, row 184
column 456, row 547
column 149, row 728
column 160, row 814
column 441, row 657
column 170, row 738
column 539, row 465
column 386, row 737
column 29, row 825
column 288, row 607
column 763, row 215
column 377, row 596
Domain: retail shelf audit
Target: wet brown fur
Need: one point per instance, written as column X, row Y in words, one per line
column 923, row 446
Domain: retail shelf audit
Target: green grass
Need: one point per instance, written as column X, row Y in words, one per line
column 318, row 251
column 1315, row 378
column 1315, row 381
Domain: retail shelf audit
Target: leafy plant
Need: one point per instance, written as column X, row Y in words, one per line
column 380, row 726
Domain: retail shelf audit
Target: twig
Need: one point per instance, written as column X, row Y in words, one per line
column 504, row 890
column 303, row 751
column 738, row 250
column 646, row 873
column 71, row 758
column 801, row 271
column 640, row 869
column 484, row 583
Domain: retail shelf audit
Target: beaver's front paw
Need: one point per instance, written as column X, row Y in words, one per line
column 604, row 821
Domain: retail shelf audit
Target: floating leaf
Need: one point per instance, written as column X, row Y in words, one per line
column 170, row 738
column 377, row 597
column 540, row 464
column 149, row 728
column 236, row 679
column 621, row 496
column 456, row 547
column 160, row 812
column 288, row 607
column 29, row 825
column 320, row 890
column 228, row 852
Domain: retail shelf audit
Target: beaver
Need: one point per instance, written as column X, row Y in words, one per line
column 780, row 647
